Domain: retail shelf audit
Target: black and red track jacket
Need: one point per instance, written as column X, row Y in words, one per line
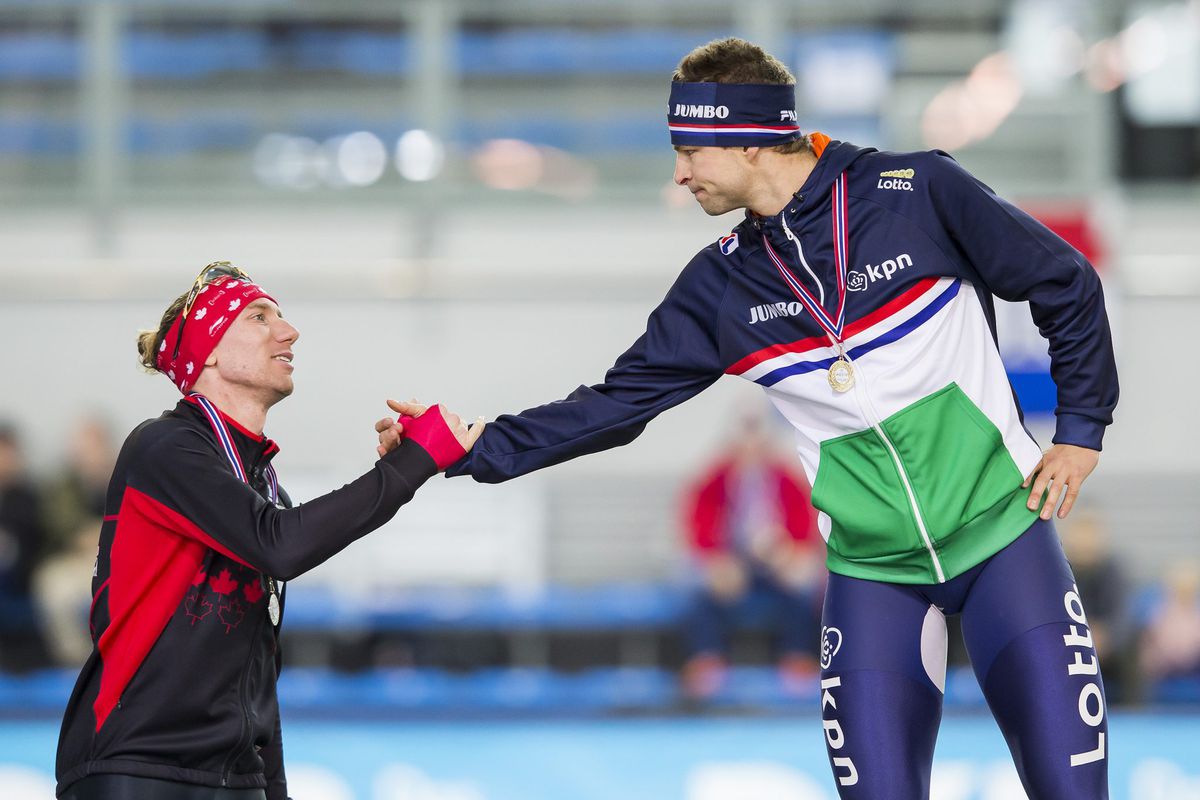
column 180, row 684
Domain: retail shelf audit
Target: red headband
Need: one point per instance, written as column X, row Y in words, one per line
column 214, row 310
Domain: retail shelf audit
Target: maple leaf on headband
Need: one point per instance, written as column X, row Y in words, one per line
column 223, row 583
column 253, row 591
column 201, row 576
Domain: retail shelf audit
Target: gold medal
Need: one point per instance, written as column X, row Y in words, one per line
column 841, row 374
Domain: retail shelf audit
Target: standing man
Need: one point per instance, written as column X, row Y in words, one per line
column 858, row 293
column 177, row 699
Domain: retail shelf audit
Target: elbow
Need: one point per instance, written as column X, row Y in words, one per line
column 286, row 566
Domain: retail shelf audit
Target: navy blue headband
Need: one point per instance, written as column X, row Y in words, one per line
column 732, row 114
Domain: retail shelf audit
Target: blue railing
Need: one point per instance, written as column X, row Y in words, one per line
column 156, row 55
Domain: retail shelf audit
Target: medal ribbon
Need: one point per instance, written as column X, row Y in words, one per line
column 841, row 248
column 221, row 430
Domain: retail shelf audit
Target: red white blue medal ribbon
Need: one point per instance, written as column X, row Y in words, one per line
column 221, row 431
column 832, row 325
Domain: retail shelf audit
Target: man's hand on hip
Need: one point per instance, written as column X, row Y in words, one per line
column 1063, row 465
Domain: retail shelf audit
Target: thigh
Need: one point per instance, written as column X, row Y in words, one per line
column 1032, row 652
column 883, row 665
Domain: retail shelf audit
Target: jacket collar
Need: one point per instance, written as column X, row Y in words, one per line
column 811, row 199
column 255, row 449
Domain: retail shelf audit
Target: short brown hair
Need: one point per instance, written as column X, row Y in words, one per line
column 734, row 60
column 149, row 341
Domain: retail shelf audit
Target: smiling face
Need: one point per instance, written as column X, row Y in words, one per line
column 254, row 357
column 718, row 177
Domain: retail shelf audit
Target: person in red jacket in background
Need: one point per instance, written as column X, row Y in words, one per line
column 754, row 544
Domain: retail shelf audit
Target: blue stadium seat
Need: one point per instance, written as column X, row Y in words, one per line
column 183, row 56
column 606, row 607
column 39, row 56
column 568, row 51
column 42, row 691
column 1184, row 690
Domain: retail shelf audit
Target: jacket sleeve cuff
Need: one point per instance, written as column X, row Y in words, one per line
column 411, row 461
column 460, row 467
column 1079, row 431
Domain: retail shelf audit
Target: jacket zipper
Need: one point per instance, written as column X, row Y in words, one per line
column 872, row 416
column 245, row 714
column 794, row 239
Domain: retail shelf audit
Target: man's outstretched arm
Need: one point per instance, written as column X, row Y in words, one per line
column 675, row 359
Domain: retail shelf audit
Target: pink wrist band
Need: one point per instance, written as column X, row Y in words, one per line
column 432, row 433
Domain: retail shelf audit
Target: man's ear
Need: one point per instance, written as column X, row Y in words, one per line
column 211, row 361
column 752, row 154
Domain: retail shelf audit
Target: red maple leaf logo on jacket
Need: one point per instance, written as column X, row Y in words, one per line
column 253, row 591
column 223, row 583
column 230, row 611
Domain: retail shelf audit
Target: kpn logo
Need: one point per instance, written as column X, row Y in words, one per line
column 896, row 179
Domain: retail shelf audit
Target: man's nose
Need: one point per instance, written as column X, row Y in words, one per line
column 288, row 332
column 682, row 173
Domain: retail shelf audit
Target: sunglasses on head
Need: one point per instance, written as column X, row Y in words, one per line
column 209, row 275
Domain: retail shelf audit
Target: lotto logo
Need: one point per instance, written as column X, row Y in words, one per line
column 896, row 179
column 1083, row 662
column 894, row 184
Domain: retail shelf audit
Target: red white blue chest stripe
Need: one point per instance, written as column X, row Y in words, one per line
column 885, row 325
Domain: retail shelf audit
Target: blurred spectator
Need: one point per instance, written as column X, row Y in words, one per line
column 62, row 589
column 753, row 537
column 1104, row 591
column 1170, row 645
column 74, row 512
column 21, row 538
column 76, row 496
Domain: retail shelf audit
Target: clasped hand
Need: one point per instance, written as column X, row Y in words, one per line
column 391, row 430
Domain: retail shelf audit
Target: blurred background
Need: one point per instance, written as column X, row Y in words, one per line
column 469, row 201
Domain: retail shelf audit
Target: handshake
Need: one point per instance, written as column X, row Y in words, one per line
column 440, row 433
